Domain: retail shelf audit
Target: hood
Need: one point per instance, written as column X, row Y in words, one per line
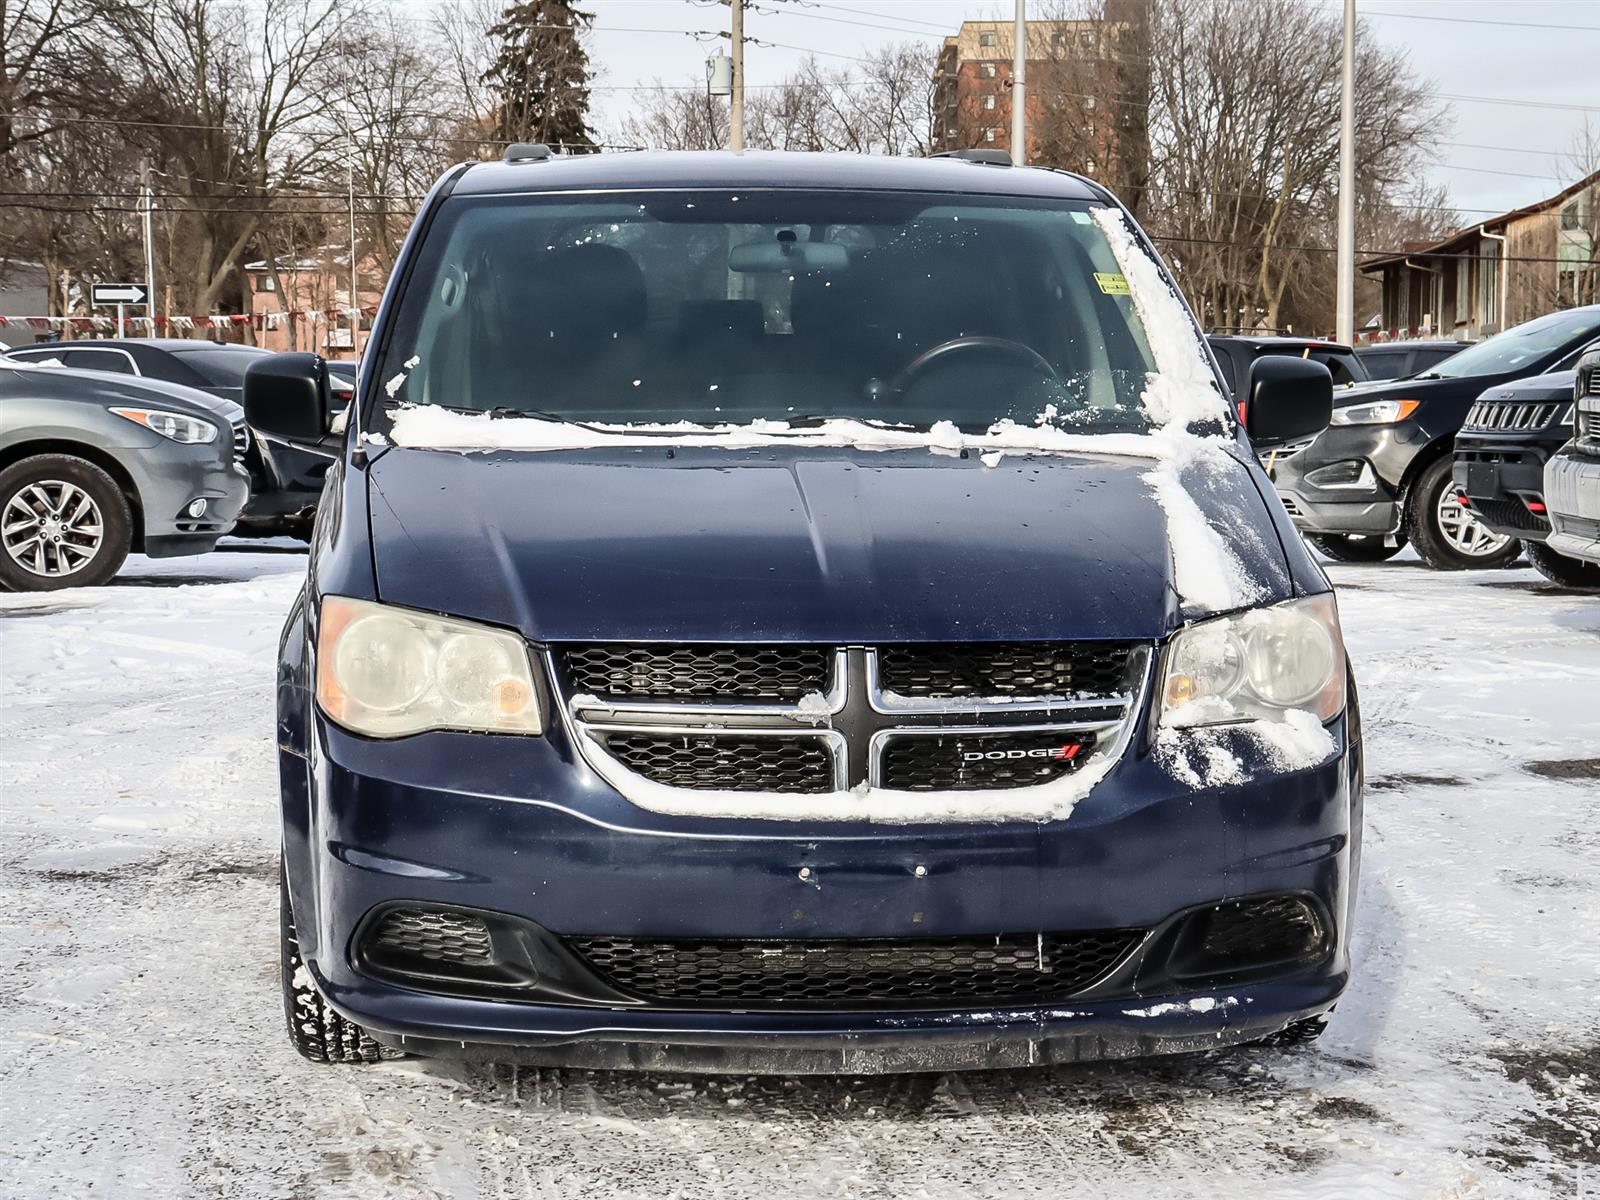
column 110, row 387
column 796, row 545
column 1414, row 389
column 1553, row 385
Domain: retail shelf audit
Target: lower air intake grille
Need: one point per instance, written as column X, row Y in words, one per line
column 775, row 674
column 1249, row 933
column 727, row 763
column 933, row 764
column 924, row 973
column 437, row 936
column 941, row 671
column 1510, row 514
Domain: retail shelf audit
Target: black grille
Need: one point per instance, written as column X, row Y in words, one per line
column 1256, row 932
column 922, row 973
column 241, row 442
column 749, row 673
column 436, row 936
column 941, row 671
column 728, row 762
column 1497, row 416
column 931, row 763
column 1509, row 514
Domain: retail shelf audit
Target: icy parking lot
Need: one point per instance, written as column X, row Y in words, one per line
column 143, row 1051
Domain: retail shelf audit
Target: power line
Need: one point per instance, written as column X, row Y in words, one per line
column 1519, row 103
column 1374, row 12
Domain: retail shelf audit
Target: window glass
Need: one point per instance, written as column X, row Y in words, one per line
column 98, row 360
column 1519, row 348
column 717, row 307
column 1386, row 364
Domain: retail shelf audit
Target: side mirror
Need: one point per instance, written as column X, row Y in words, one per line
column 1286, row 399
column 287, row 395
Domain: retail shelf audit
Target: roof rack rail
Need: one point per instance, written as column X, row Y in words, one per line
column 994, row 158
column 527, row 152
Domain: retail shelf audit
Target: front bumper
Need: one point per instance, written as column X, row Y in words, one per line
column 1572, row 489
column 1500, row 477
column 1370, row 503
column 523, row 826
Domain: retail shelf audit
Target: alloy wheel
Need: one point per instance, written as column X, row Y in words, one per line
column 51, row 528
column 1463, row 531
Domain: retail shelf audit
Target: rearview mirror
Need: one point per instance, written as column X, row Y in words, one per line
column 1286, row 399
column 787, row 254
column 287, row 395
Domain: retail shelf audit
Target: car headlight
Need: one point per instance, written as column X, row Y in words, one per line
column 177, row 426
column 1379, row 412
column 1257, row 665
column 387, row 672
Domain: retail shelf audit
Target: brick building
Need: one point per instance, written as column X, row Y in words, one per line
column 320, row 285
column 1087, row 94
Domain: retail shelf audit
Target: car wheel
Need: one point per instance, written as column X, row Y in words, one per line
column 318, row 1033
column 1558, row 568
column 1445, row 532
column 1354, row 548
column 63, row 523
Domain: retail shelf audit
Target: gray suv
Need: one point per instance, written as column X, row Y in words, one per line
column 95, row 465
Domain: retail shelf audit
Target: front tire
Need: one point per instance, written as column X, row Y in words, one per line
column 318, row 1033
column 63, row 523
column 1445, row 533
column 1356, row 548
column 1558, row 568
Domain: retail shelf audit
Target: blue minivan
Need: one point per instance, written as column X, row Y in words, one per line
column 804, row 613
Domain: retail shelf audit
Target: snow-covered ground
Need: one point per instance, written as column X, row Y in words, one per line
column 141, row 1044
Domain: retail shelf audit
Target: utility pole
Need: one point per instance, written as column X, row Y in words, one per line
column 1019, row 87
column 736, row 104
column 1346, row 291
column 147, row 201
column 355, row 295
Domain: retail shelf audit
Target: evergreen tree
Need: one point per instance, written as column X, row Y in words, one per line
column 540, row 76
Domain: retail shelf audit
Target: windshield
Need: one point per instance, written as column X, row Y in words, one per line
column 728, row 307
column 1518, row 348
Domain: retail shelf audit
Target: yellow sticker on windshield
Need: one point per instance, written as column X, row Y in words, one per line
column 1113, row 285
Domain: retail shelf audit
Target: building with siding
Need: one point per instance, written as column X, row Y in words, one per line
column 1502, row 272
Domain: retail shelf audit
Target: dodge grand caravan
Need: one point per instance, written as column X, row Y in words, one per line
column 804, row 613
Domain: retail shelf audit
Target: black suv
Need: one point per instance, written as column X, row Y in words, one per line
column 1235, row 352
column 1403, row 359
column 1381, row 473
column 1510, row 432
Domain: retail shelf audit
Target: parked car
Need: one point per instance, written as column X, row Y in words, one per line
column 1403, row 359
column 1572, row 476
column 1235, row 352
column 95, row 465
column 689, row 675
column 1380, row 475
column 285, row 474
column 1501, row 451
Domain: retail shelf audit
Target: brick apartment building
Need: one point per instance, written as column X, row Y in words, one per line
column 1087, row 95
column 320, row 285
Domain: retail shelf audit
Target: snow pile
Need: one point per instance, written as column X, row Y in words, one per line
column 1206, row 572
column 432, row 427
column 1211, row 756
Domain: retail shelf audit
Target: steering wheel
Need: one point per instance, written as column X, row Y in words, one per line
column 945, row 352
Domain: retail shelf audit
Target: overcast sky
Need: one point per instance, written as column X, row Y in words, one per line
column 1494, row 156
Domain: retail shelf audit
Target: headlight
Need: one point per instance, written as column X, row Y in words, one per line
column 388, row 672
column 1379, row 412
column 1257, row 665
column 177, row 426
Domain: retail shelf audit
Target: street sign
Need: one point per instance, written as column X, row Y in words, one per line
column 120, row 293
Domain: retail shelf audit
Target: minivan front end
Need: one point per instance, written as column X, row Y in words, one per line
column 756, row 661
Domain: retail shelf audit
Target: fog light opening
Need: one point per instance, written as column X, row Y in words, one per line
column 197, row 508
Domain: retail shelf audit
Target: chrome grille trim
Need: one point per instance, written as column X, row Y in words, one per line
column 871, row 719
column 1496, row 416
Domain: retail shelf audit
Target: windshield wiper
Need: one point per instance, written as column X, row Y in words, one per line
column 1428, row 375
column 508, row 412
